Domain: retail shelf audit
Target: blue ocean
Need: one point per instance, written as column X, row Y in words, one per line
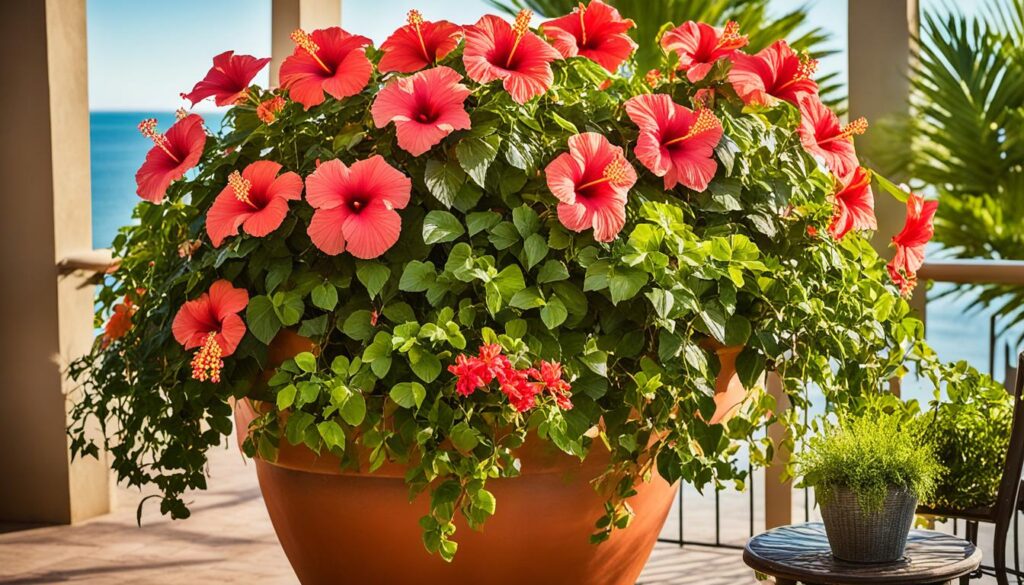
column 118, row 149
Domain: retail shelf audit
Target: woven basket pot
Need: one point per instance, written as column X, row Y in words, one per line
column 859, row 536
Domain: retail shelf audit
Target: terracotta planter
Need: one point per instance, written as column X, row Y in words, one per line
column 345, row 527
column 729, row 391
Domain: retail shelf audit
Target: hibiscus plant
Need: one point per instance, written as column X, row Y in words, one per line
column 489, row 231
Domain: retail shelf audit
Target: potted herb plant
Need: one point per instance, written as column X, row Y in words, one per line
column 868, row 473
column 491, row 276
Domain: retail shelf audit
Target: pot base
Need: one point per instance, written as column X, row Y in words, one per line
column 362, row 528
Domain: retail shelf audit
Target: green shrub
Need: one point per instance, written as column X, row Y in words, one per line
column 868, row 455
column 969, row 432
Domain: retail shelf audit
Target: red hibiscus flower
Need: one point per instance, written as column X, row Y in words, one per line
column 774, row 73
column 522, row 60
column 550, row 376
column 910, row 242
column 255, row 199
column 700, row 45
column 329, row 60
column 174, row 153
column 824, row 137
column 355, row 206
column 418, row 44
column 517, row 387
column 590, row 182
column 675, row 142
column 211, row 323
column 425, row 108
column 596, row 32
column 268, row 110
column 120, row 322
column 228, row 79
column 855, row 205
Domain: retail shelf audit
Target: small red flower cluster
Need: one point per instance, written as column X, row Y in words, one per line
column 521, row 386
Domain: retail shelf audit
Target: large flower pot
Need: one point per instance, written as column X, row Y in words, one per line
column 340, row 527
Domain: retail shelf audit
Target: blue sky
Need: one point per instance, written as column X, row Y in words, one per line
column 143, row 54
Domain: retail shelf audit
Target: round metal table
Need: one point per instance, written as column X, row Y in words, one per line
column 800, row 554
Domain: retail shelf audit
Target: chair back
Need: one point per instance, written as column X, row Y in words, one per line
column 1009, row 486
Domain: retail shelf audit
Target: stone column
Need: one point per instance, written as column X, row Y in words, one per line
column 45, row 215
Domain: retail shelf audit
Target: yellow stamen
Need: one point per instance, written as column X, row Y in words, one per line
column 855, row 128
column 241, row 186
column 521, row 27
column 206, row 364
column 148, row 129
column 583, row 28
column 614, row 172
column 181, row 113
column 804, row 71
column 305, row 42
column 731, row 37
column 705, row 121
column 415, row 20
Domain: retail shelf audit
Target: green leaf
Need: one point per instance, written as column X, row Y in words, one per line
column 552, row 271
column 476, row 153
column 286, row 397
column 306, row 362
column 714, row 320
column 479, row 221
column 313, row 327
column 625, row 283
column 298, row 422
column 325, row 296
column 509, row 281
column 536, row 248
column 563, row 123
column 261, row 319
column 408, row 394
column 417, row 276
column 503, row 235
column 357, row 325
column 339, row 365
column 444, row 179
column 464, row 437
column 527, row 298
column 441, row 226
column 460, row 262
column 662, row 301
column 424, row 364
column 289, row 307
column 554, row 313
column 332, row 434
column 354, row 409
column 526, row 220
column 737, row 330
column 373, row 275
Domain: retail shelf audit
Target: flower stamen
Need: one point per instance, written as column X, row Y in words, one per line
column 731, row 37
column 855, row 128
column 305, row 42
column 206, row 364
column 705, row 121
column 805, row 70
column 614, row 172
column 582, row 10
column 241, row 186
column 521, row 27
column 415, row 20
column 148, row 129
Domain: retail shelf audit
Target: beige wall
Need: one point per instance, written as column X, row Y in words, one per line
column 44, row 216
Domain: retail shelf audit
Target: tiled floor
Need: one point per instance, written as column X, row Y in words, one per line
column 229, row 539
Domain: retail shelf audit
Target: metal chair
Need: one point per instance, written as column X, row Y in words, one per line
column 1007, row 498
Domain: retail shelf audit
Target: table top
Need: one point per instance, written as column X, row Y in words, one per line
column 800, row 552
